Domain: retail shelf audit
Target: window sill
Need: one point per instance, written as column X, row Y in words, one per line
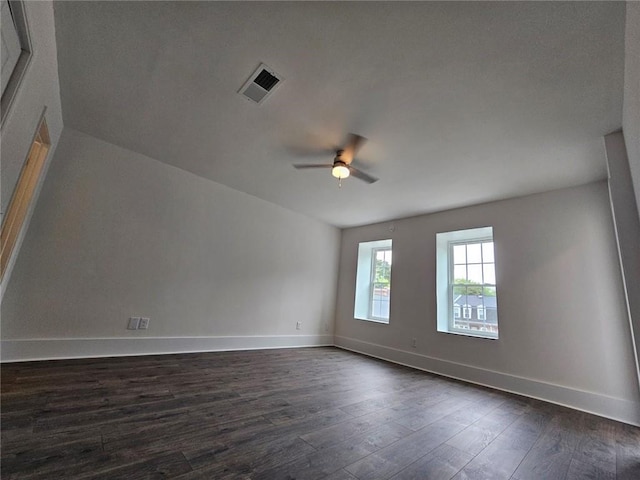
column 469, row 334
column 372, row 320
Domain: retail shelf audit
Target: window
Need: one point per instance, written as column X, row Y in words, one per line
column 380, row 283
column 466, row 283
column 373, row 281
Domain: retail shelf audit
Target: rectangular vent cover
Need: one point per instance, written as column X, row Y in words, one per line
column 266, row 80
column 262, row 83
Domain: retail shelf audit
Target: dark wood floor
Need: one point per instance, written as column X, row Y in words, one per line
column 289, row 414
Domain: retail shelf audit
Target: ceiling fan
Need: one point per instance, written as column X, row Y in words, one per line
column 341, row 166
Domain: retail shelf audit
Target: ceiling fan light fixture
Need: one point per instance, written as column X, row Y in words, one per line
column 340, row 171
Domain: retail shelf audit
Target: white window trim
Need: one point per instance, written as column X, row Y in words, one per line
column 364, row 280
column 444, row 273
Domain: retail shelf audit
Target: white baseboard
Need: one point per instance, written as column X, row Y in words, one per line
column 67, row 348
column 619, row 409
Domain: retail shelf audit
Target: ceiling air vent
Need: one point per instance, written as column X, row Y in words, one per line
column 261, row 84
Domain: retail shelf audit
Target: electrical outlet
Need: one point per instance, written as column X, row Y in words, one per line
column 298, row 325
column 414, row 342
column 144, row 323
column 134, row 322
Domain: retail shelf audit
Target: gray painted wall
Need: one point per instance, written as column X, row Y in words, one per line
column 563, row 324
column 631, row 104
column 39, row 89
column 117, row 234
column 627, row 230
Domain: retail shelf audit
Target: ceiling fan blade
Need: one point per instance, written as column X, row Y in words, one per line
column 310, row 153
column 312, row 165
column 354, row 143
column 361, row 175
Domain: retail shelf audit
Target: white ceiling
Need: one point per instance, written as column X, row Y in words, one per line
column 462, row 103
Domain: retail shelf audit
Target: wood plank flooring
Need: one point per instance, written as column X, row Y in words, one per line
column 313, row 413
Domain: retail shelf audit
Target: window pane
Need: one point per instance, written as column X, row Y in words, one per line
column 492, row 317
column 458, row 290
column 475, row 273
column 487, row 252
column 380, row 301
column 488, row 292
column 474, row 253
column 381, row 284
column 459, row 254
column 384, row 256
column 489, row 273
column 460, row 272
column 382, row 274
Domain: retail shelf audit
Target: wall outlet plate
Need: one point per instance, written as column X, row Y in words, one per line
column 298, row 325
column 134, row 322
column 144, row 323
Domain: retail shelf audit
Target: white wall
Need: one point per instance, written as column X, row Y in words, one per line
column 564, row 334
column 631, row 104
column 117, row 234
column 39, row 89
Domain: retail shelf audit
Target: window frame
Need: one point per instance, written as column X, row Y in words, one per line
column 372, row 286
column 445, row 281
column 365, row 280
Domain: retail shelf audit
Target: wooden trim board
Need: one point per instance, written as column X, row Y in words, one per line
column 23, row 194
